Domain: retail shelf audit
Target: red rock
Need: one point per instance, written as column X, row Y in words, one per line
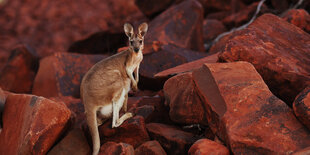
column 53, row 25
column 242, row 17
column 20, row 70
column 112, row 148
column 278, row 50
column 3, row 97
column 301, row 107
column 173, row 140
column 77, row 109
column 298, row 17
column 303, row 151
column 181, row 25
column 150, row 148
column 187, row 67
column 211, row 29
column 151, row 8
column 169, row 56
column 146, row 111
column 62, row 73
column 211, row 6
column 74, row 143
column 281, row 5
column 132, row 132
column 185, row 104
column 31, row 124
column 206, row 146
column 243, row 112
column 218, row 15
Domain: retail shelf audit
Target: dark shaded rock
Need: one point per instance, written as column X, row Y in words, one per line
column 132, row 132
column 301, row 107
column 173, row 140
column 62, row 73
column 150, row 148
column 184, row 102
column 211, row 6
column 112, row 148
column 181, row 25
column 303, row 151
column 152, row 8
column 31, row 124
column 74, row 143
column 20, row 70
column 206, row 146
column 243, row 112
column 298, row 17
column 278, row 50
column 211, row 29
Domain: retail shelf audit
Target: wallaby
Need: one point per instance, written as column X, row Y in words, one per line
column 105, row 87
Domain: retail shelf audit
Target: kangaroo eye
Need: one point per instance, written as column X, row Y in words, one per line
column 140, row 41
column 131, row 42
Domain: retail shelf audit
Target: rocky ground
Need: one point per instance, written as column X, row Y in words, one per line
column 248, row 93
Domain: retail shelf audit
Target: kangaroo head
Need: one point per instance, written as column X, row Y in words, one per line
column 136, row 40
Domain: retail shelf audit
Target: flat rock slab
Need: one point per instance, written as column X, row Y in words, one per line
column 172, row 139
column 301, row 107
column 112, row 148
column 181, row 25
column 31, row 124
column 150, row 148
column 62, row 73
column 243, row 112
column 298, row 17
column 279, row 51
column 207, row 146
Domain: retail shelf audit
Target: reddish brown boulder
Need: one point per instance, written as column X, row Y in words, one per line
column 243, row 112
column 169, row 56
column 112, row 148
column 185, row 104
column 31, row 124
column 150, row 148
column 77, row 110
column 19, row 72
column 146, row 111
column 232, row 6
column 74, row 143
column 298, row 17
column 301, row 107
column 303, row 151
column 62, row 73
column 152, row 8
column 187, row 67
column 278, row 50
column 211, row 29
column 181, row 25
column 52, row 26
column 173, row 140
column 132, row 132
column 206, row 146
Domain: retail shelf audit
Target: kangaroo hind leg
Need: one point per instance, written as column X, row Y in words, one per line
column 117, row 105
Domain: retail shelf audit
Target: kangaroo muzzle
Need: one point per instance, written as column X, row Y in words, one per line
column 136, row 49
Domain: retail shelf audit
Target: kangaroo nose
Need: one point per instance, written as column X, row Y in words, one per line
column 136, row 49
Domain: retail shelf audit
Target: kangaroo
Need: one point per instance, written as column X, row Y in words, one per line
column 105, row 87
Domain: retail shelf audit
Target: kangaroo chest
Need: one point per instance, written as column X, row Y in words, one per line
column 135, row 62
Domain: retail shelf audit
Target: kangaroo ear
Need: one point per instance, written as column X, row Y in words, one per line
column 143, row 29
column 128, row 30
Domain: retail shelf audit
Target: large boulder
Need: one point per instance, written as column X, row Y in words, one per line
column 150, row 148
column 211, row 29
column 112, row 148
column 20, row 70
column 61, row 74
column 74, row 143
column 301, row 107
column 185, row 104
column 298, row 17
column 181, row 25
column 172, row 139
column 206, row 146
column 152, row 8
column 31, row 124
column 278, row 50
column 243, row 112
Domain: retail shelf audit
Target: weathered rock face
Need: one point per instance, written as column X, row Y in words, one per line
column 54, row 25
column 232, row 6
column 19, row 72
column 299, row 18
column 245, row 114
column 74, row 143
column 152, row 7
column 187, row 67
column 132, row 132
column 112, row 148
column 169, row 56
column 278, row 50
column 211, row 29
column 150, row 148
column 173, row 140
column 206, row 146
column 62, row 73
column 184, row 102
column 180, row 25
column 303, row 151
column 31, row 124
column 301, row 107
